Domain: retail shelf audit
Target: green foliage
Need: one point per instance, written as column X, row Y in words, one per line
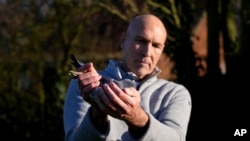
column 231, row 24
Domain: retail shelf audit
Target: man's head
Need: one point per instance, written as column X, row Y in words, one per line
column 200, row 46
column 143, row 44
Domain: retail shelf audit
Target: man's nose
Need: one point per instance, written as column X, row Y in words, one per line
column 147, row 49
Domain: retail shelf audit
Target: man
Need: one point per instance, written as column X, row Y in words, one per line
column 155, row 110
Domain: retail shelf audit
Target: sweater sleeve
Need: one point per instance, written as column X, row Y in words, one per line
column 77, row 123
column 170, row 122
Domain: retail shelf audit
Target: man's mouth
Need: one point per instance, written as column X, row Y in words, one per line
column 144, row 61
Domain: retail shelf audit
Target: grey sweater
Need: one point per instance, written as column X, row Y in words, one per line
column 168, row 105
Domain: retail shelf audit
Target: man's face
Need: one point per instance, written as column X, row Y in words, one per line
column 201, row 65
column 142, row 48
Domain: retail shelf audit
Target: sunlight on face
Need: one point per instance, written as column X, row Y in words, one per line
column 143, row 45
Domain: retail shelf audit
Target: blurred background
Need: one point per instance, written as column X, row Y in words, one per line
column 206, row 51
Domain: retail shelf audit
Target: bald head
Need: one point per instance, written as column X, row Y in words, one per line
column 143, row 44
column 147, row 21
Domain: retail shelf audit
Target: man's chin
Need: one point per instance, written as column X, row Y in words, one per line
column 141, row 73
column 142, row 66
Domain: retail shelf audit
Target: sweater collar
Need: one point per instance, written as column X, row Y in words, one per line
column 115, row 70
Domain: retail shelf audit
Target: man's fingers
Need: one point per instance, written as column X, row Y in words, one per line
column 115, row 94
column 130, row 91
column 86, row 67
column 125, row 97
column 91, row 67
column 107, row 102
column 89, row 77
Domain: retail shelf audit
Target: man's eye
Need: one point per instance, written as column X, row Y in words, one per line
column 157, row 46
column 141, row 41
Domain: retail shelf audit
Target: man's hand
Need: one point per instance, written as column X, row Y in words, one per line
column 88, row 80
column 109, row 99
column 122, row 104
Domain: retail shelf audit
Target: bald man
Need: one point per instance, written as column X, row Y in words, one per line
column 153, row 110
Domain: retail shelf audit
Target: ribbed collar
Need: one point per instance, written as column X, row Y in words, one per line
column 115, row 70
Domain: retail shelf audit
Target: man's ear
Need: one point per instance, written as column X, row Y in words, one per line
column 122, row 39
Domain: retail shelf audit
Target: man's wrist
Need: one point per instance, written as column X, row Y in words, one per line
column 139, row 131
column 99, row 119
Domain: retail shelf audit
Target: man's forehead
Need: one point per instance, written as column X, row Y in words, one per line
column 146, row 21
column 154, row 39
